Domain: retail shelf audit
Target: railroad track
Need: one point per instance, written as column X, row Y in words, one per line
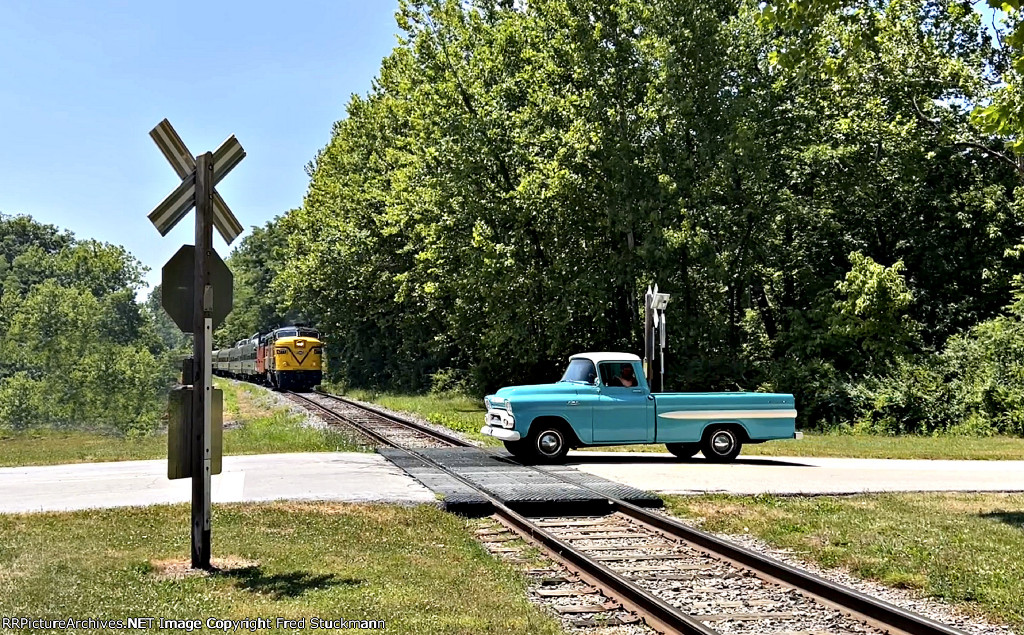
column 378, row 426
column 638, row 562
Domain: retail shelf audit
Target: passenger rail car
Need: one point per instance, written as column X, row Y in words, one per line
column 288, row 358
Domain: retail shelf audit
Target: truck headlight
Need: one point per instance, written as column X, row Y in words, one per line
column 487, row 403
column 508, row 406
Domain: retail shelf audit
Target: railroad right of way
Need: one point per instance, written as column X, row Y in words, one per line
column 629, row 559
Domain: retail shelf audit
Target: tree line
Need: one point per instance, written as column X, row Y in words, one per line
column 828, row 201
column 76, row 348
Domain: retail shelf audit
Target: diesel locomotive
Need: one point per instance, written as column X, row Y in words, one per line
column 288, row 358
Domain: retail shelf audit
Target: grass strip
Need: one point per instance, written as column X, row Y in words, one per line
column 254, row 424
column 967, row 549
column 418, row 568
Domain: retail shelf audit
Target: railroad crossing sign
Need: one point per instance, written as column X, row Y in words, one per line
column 197, row 294
column 177, row 286
column 173, row 208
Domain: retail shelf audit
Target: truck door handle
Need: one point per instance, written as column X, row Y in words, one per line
column 638, row 390
column 574, row 403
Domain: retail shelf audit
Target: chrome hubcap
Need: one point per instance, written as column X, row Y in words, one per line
column 722, row 442
column 549, row 442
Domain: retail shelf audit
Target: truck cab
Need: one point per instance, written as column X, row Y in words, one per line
column 604, row 399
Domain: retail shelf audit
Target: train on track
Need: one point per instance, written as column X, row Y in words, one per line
column 287, row 358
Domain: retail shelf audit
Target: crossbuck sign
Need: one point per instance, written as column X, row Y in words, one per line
column 173, row 208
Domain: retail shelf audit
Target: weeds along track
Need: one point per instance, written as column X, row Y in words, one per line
column 634, row 565
column 381, row 428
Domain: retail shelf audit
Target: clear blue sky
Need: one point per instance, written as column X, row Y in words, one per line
column 82, row 84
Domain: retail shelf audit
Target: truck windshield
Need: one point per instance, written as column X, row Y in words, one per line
column 581, row 370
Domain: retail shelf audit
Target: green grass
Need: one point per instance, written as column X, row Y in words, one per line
column 50, row 447
column 962, row 548
column 254, row 424
column 466, row 414
column 418, row 569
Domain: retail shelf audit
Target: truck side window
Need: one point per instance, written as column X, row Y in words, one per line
column 610, row 373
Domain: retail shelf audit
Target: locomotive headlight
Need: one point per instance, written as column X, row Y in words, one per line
column 300, row 343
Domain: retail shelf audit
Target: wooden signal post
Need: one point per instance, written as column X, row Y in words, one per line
column 203, row 346
column 197, row 296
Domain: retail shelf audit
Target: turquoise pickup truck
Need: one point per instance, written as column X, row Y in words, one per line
column 604, row 399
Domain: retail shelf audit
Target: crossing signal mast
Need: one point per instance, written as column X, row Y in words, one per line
column 197, row 294
column 654, row 338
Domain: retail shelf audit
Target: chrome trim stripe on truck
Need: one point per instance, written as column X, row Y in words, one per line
column 730, row 414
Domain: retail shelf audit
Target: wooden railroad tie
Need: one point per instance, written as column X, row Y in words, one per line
column 588, row 608
column 744, row 617
column 614, row 620
column 555, row 593
column 643, row 556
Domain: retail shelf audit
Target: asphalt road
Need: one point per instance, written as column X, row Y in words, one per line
column 336, row 476
column 363, row 477
column 781, row 475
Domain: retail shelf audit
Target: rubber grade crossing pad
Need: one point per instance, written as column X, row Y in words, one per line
column 540, row 490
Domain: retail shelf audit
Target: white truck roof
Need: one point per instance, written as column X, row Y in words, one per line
column 607, row 357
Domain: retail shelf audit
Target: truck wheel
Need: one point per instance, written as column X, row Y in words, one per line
column 518, row 449
column 548, row 444
column 683, row 450
column 720, row 445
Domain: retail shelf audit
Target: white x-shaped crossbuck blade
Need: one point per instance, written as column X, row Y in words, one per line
column 173, row 208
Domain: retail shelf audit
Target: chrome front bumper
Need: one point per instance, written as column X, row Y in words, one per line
column 500, row 433
column 500, row 424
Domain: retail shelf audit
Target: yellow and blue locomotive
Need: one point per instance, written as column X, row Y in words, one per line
column 288, row 358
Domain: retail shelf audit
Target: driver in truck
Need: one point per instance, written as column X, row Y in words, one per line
column 626, row 376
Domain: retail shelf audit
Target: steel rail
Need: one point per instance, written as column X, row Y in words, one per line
column 658, row 613
column 419, row 427
column 875, row 612
column 365, row 430
column 880, row 614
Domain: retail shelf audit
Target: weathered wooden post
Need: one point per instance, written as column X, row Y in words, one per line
column 197, row 294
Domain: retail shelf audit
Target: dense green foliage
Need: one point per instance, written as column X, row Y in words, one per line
column 974, row 385
column 520, row 172
column 76, row 349
column 258, row 306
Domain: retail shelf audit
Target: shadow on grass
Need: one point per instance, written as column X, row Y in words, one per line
column 1010, row 518
column 286, row 585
